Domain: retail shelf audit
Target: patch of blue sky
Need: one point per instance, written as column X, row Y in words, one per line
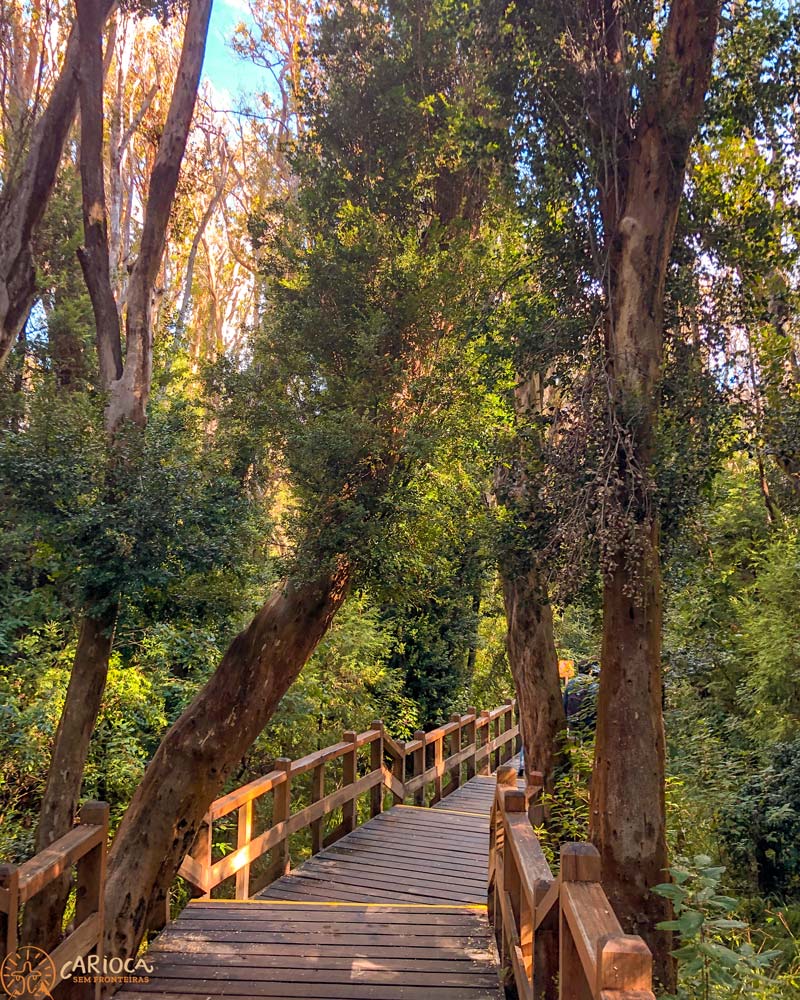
column 231, row 77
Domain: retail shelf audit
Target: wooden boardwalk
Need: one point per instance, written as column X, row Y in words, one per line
column 394, row 910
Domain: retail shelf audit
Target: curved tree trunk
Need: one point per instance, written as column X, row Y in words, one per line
column 204, row 745
column 534, row 667
column 44, row 912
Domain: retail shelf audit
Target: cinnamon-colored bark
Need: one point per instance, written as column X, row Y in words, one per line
column 25, row 197
column 534, row 667
column 94, row 255
column 204, row 745
column 131, row 392
column 44, row 912
column 640, row 215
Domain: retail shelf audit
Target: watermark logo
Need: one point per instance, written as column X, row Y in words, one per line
column 28, row 972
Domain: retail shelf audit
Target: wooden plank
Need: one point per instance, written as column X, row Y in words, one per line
column 376, row 764
column 395, row 786
column 168, row 988
column 332, row 917
column 590, row 917
column 365, row 937
column 408, row 862
column 535, row 875
column 389, row 962
column 384, row 867
column 255, row 975
column 386, row 873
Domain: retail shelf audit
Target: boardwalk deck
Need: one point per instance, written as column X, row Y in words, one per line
column 395, row 910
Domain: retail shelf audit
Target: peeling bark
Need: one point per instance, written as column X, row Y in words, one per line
column 628, row 822
column 44, row 911
column 130, row 393
column 534, row 667
column 23, row 202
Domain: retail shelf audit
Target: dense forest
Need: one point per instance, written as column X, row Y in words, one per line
column 428, row 353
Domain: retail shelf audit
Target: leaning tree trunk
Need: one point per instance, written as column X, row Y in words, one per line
column 204, row 745
column 534, row 667
column 45, row 910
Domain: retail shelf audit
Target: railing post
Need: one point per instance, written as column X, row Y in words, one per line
column 454, row 747
column 244, row 834
column 419, row 766
column 376, row 764
column 624, row 962
column 508, row 724
column 281, row 810
column 579, row 863
column 399, row 772
column 438, row 762
column 90, row 882
column 486, row 766
column 471, row 742
column 317, row 792
column 349, row 773
column 201, row 853
column 535, row 807
column 9, row 909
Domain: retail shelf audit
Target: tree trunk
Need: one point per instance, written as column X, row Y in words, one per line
column 44, row 912
column 130, row 393
column 25, row 198
column 534, row 667
column 200, row 750
column 639, row 206
column 628, row 820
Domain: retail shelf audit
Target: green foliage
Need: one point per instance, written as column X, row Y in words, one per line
column 567, row 806
column 760, row 828
column 716, row 958
column 32, row 692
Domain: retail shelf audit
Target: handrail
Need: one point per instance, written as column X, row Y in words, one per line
column 562, row 925
column 84, row 847
column 427, row 768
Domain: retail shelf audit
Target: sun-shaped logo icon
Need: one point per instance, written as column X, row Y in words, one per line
column 28, row 972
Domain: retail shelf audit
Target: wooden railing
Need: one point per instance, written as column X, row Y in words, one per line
column 424, row 770
column 84, row 847
column 562, row 925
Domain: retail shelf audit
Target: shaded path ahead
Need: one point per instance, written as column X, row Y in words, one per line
column 394, row 910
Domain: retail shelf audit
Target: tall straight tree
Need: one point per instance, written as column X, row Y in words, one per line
column 126, row 381
column 640, row 191
column 611, row 98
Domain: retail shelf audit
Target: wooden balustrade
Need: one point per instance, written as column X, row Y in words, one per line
column 84, row 848
column 425, row 769
column 558, row 937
